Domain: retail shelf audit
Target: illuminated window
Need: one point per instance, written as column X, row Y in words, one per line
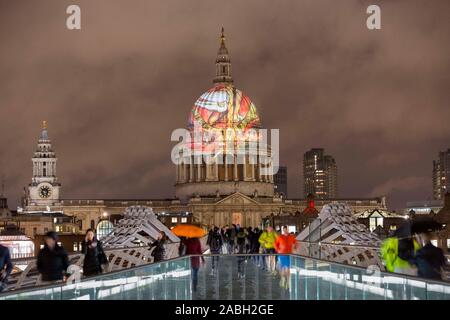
column 434, row 243
column 104, row 228
column 174, row 220
column 374, row 222
column 75, row 246
column 183, row 220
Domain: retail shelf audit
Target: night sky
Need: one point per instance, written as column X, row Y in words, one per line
column 378, row 101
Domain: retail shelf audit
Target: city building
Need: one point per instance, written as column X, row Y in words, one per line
column 320, row 174
column 423, row 207
column 230, row 189
column 297, row 221
column 19, row 245
column 171, row 219
column 380, row 221
column 280, row 181
column 443, row 217
column 4, row 210
column 441, row 175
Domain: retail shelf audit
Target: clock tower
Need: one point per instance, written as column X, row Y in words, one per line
column 44, row 188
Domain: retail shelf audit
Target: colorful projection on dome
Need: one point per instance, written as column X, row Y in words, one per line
column 222, row 107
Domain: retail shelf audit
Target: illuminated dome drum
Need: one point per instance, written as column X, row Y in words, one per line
column 228, row 120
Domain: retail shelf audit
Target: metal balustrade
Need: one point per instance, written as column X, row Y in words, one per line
column 119, row 259
column 242, row 277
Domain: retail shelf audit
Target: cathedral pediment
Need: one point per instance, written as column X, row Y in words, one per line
column 238, row 199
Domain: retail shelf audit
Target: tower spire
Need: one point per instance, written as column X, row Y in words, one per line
column 44, row 133
column 223, row 63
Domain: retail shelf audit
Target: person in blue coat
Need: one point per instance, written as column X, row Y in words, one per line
column 5, row 266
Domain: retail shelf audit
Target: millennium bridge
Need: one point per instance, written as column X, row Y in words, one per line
column 320, row 269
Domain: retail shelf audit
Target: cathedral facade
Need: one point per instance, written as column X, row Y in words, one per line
column 230, row 189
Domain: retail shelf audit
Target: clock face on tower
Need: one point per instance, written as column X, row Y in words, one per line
column 45, row 192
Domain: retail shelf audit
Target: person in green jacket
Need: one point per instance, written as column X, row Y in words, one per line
column 267, row 241
column 392, row 257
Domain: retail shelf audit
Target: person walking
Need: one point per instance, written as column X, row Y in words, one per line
column 240, row 239
column 94, row 256
column 429, row 259
column 249, row 238
column 284, row 245
column 231, row 237
column 223, row 232
column 52, row 261
column 215, row 243
column 194, row 247
column 159, row 252
column 255, row 246
column 267, row 242
column 6, row 266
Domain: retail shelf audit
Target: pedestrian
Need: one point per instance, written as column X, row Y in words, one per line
column 248, row 243
column 240, row 239
column 398, row 254
column 215, row 243
column 194, row 247
column 52, row 261
column 284, row 245
column 159, row 252
column 267, row 241
column 182, row 247
column 223, row 232
column 5, row 266
column 255, row 246
column 429, row 259
column 94, row 256
column 231, row 237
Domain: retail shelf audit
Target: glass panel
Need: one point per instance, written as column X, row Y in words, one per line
column 243, row 277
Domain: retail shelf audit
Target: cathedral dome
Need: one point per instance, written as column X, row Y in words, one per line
column 222, row 107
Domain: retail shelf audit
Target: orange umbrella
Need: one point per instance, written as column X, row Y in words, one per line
column 188, row 231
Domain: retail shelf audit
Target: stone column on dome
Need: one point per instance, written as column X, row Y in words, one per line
column 225, row 167
column 235, row 169
column 216, row 170
column 199, row 169
column 244, row 168
column 191, row 169
column 260, row 177
column 270, row 170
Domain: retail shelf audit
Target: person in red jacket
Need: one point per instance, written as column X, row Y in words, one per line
column 284, row 244
column 194, row 247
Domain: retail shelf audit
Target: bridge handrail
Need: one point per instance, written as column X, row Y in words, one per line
column 381, row 273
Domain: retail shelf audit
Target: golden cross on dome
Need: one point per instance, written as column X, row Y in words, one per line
column 44, row 124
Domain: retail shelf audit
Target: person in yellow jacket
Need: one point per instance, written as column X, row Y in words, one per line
column 267, row 241
column 392, row 257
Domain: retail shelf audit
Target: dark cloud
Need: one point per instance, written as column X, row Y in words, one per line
column 114, row 91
